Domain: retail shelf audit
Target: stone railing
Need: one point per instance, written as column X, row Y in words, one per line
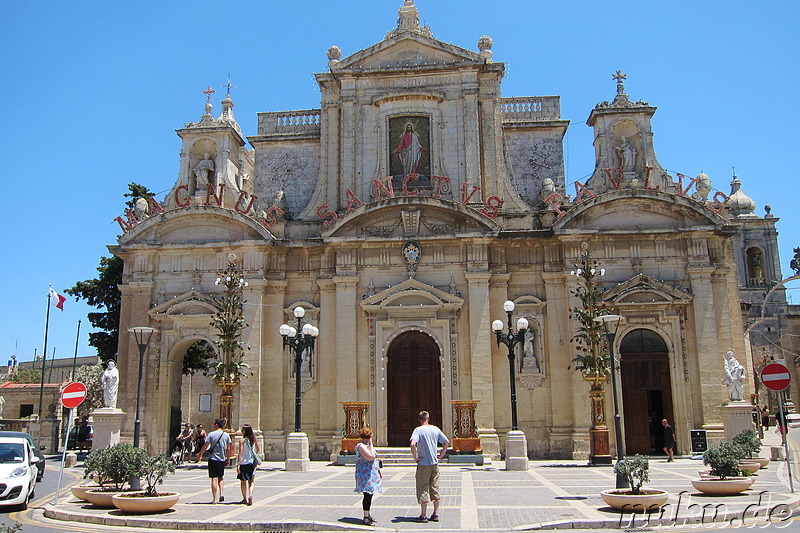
column 289, row 122
column 527, row 109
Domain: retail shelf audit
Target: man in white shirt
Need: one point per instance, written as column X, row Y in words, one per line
column 424, row 443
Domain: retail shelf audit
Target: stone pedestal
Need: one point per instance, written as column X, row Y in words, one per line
column 297, row 453
column 516, row 451
column 107, row 423
column 736, row 418
column 490, row 443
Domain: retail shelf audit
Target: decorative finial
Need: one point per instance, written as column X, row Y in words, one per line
column 228, row 87
column 208, row 92
column 619, row 76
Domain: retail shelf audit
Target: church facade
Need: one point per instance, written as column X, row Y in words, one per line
column 400, row 215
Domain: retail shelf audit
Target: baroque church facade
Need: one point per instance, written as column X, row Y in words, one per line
column 400, row 215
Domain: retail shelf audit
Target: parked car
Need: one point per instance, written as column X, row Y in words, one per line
column 72, row 440
column 37, row 451
column 17, row 471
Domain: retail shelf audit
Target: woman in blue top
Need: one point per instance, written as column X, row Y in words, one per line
column 246, row 469
column 368, row 473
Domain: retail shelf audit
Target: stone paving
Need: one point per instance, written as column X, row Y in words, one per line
column 551, row 494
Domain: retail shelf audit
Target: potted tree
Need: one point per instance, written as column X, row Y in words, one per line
column 725, row 471
column 152, row 471
column 751, row 445
column 113, row 468
column 636, row 472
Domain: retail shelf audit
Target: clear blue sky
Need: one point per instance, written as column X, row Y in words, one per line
column 94, row 90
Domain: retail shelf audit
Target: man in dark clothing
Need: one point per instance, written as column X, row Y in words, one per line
column 669, row 440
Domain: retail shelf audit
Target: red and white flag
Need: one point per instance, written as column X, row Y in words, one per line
column 56, row 299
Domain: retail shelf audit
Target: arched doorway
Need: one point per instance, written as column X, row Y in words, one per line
column 414, row 384
column 646, row 390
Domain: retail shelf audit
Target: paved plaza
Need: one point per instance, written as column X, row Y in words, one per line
column 551, row 494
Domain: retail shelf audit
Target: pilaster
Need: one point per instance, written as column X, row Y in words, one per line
column 480, row 346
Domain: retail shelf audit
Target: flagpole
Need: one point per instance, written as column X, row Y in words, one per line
column 75, row 357
column 44, row 356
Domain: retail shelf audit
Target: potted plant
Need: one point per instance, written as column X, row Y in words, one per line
column 725, row 471
column 152, row 471
column 112, row 468
column 636, row 472
column 751, row 445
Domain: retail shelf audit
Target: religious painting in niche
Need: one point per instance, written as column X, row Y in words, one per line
column 409, row 145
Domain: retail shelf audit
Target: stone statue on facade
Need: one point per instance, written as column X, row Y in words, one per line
column 204, row 170
column 141, row 209
column 110, row 382
column 703, row 187
column 627, row 155
column 734, row 377
column 528, row 351
column 548, row 188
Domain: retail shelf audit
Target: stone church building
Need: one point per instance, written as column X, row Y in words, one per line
column 401, row 214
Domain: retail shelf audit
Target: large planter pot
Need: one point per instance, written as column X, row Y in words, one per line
column 101, row 497
column 138, row 504
column 623, row 500
column 751, row 467
column 731, row 485
column 763, row 461
column 79, row 491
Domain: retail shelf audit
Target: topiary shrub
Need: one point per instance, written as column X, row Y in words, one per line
column 115, row 465
column 635, row 471
column 749, row 442
column 724, row 459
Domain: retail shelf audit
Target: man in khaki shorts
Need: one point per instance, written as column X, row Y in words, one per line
column 424, row 443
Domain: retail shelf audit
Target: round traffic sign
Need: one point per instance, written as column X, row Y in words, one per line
column 73, row 395
column 775, row 376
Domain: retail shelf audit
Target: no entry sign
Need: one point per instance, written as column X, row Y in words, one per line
column 775, row 376
column 73, row 395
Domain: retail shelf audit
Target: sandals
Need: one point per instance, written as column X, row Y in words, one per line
column 369, row 521
column 434, row 518
column 421, row 519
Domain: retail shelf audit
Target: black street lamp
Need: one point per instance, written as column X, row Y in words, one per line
column 511, row 340
column 298, row 340
column 611, row 325
column 142, row 335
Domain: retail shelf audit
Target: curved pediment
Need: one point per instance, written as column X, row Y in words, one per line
column 192, row 303
column 642, row 289
column 408, row 50
column 639, row 210
column 412, row 295
column 411, row 217
column 196, row 224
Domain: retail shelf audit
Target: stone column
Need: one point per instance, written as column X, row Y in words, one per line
column 329, row 411
column 272, row 377
column 480, row 347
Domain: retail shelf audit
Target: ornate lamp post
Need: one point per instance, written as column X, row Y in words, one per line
column 142, row 335
column 298, row 340
column 611, row 325
column 516, row 443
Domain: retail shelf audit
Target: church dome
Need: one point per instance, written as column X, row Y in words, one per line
column 739, row 203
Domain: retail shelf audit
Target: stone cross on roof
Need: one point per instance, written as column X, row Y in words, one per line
column 208, row 92
column 619, row 76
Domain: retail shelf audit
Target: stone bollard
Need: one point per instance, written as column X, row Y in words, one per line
column 777, row 453
column 71, row 459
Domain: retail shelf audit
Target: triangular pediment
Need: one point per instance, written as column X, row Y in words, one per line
column 192, row 303
column 642, row 289
column 412, row 295
column 408, row 50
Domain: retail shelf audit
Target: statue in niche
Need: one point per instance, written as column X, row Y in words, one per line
column 528, row 351
column 755, row 262
column 204, row 171
column 110, row 382
column 734, row 375
column 626, row 154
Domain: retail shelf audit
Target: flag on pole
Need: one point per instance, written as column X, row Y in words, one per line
column 56, row 299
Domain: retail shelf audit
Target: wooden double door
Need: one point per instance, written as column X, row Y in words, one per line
column 646, row 392
column 414, row 384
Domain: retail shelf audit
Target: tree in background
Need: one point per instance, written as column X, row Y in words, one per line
column 103, row 292
column 198, row 357
column 26, row 375
column 89, row 375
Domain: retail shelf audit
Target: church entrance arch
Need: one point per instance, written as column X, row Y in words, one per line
column 414, row 384
column 646, row 390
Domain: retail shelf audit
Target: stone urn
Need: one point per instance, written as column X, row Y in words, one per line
column 624, row 500
column 138, row 503
column 731, row 485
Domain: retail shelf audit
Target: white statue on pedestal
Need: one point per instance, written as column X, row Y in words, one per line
column 734, row 375
column 110, row 382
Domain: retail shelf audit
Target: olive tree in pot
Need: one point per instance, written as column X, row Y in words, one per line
column 725, row 471
column 112, row 468
column 152, row 471
column 751, row 445
column 636, row 472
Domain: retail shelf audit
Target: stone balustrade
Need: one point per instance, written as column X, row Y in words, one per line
column 305, row 121
column 526, row 109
